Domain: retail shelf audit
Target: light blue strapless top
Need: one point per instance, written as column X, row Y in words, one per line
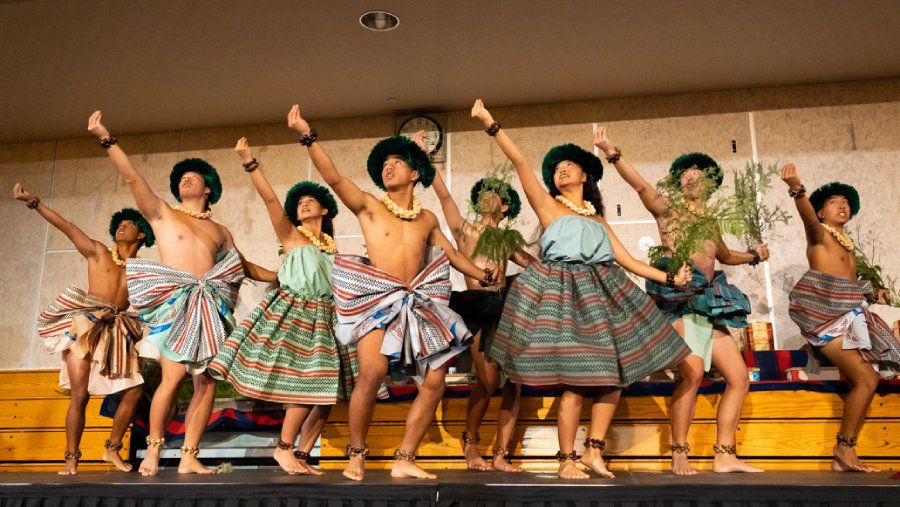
column 307, row 270
column 573, row 238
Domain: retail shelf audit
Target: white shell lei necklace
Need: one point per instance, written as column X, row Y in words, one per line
column 114, row 251
column 841, row 238
column 587, row 211
column 202, row 215
column 328, row 246
column 405, row 214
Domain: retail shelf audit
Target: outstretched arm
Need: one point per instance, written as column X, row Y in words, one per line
column 87, row 247
column 454, row 218
column 459, row 261
column 344, row 188
column 654, row 202
column 537, row 196
column 251, row 270
column 150, row 205
column 731, row 257
column 642, row 269
column 814, row 231
column 284, row 229
column 258, row 273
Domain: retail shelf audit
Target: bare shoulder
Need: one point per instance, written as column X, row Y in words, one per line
column 227, row 238
column 429, row 218
column 372, row 203
column 98, row 248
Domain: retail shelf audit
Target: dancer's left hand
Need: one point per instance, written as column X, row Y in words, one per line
column 20, row 193
column 601, row 140
column 683, row 276
column 95, row 125
column 763, row 250
column 419, row 139
column 242, row 148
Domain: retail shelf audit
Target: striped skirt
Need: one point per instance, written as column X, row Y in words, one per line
column 582, row 325
column 285, row 352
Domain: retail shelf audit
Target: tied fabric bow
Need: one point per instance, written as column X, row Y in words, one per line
column 195, row 313
column 420, row 329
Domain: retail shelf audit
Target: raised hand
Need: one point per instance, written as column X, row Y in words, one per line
column 763, row 250
column 95, row 125
column 242, row 148
column 20, row 193
column 789, row 175
column 296, row 122
column 479, row 112
column 601, row 140
column 419, row 139
column 683, row 276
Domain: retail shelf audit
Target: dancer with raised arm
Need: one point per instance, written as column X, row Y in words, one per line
column 95, row 334
column 574, row 318
column 392, row 305
column 830, row 305
column 285, row 351
column 188, row 297
column 481, row 308
column 702, row 313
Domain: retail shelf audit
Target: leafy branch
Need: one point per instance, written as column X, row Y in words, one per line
column 752, row 181
column 868, row 267
column 691, row 223
column 497, row 244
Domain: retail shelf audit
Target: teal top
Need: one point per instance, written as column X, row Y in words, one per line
column 307, row 271
column 574, row 238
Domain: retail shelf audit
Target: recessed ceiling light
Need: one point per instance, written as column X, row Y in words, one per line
column 379, row 21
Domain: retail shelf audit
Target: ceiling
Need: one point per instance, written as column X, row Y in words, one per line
column 167, row 65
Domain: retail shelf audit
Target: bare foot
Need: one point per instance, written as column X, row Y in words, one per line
column 681, row 465
column 474, row 461
column 356, row 468
column 501, row 464
column 594, row 460
column 111, row 456
column 846, row 460
column 309, row 469
column 70, row 468
column 150, row 465
column 569, row 470
column 409, row 469
column 191, row 465
column 729, row 463
column 286, row 460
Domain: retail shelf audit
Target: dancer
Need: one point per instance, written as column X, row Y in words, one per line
column 830, row 305
column 188, row 297
column 95, row 334
column 480, row 307
column 285, row 351
column 574, row 318
column 387, row 304
column 701, row 314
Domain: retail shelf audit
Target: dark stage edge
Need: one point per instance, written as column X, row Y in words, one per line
column 272, row 488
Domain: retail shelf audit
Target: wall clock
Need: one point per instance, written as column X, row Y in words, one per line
column 434, row 133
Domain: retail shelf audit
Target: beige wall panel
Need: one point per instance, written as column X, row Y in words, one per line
column 23, row 234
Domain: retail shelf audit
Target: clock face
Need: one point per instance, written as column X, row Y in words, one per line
column 434, row 134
